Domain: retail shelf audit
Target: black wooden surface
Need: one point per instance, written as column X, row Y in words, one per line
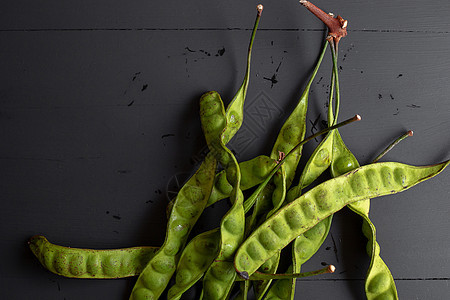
column 99, row 118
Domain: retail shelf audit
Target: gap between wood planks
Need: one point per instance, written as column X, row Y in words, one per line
column 221, row 29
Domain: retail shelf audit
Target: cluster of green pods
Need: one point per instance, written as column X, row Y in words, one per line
column 246, row 247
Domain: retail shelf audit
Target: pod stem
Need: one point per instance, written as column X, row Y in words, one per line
column 393, row 144
column 337, row 26
column 335, row 80
column 316, row 69
column 330, row 101
column 264, row 276
column 259, row 9
column 251, row 200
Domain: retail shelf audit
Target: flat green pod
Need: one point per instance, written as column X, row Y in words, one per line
column 293, row 130
column 90, row 263
column 235, row 110
column 219, row 277
column 329, row 197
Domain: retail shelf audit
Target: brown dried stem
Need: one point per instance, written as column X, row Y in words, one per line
column 337, row 26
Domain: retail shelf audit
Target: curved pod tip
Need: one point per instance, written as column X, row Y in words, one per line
column 259, row 8
column 244, row 275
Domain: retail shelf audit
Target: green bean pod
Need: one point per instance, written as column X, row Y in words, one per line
column 194, row 261
column 298, row 216
column 218, row 281
column 190, row 203
column 379, row 281
column 235, row 110
column 291, row 133
column 219, row 277
column 333, row 153
column 305, row 245
column 294, row 129
column 90, row 263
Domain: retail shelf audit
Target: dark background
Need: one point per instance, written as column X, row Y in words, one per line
column 99, row 119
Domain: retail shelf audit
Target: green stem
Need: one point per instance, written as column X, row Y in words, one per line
column 398, row 140
column 334, row 54
column 251, row 200
column 311, row 79
column 259, row 9
column 330, row 102
column 264, row 276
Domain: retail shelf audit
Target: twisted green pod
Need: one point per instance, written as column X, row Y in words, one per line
column 217, row 281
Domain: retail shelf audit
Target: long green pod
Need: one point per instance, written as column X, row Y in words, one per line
column 189, row 204
column 379, row 280
column 308, row 243
column 217, row 281
column 235, row 109
column 235, row 117
column 84, row 263
column 305, row 245
column 298, row 216
column 150, row 284
column 324, row 156
column 293, row 130
column 90, row 263
column 292, row 133
column 194, row 261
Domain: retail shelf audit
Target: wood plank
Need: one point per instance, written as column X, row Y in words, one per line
column 97, row 126
column 400, row 15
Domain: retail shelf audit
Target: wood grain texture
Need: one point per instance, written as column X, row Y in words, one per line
column 99, row 122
